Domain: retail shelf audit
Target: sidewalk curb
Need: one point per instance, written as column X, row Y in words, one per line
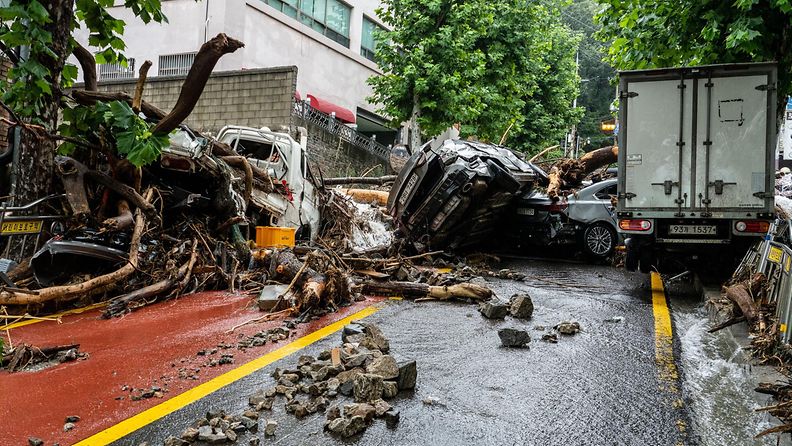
column 738, row 337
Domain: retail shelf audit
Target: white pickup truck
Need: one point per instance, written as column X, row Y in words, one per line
column 696, row 158
column 277, row 153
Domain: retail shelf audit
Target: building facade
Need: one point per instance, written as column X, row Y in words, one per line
column 329, row 41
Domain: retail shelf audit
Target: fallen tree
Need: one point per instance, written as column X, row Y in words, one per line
column 571, row 172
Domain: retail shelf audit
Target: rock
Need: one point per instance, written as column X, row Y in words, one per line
column 346, row 379
column 270, row 296
column 252, row 414
column 384, row 366
column 512, row 337
column 358, row 360
column 389, row 389
column 494, row 309
column 351, row 329
column 356, row 425
column 255, row 441
column 249, row 423
column 190, row 434
column 364, row 410
column 68, row 426
column 391, row 417
column 337, row 425
column 72, row 419
column 332, row 384
column 568, row 328
column 367, row 387
column 266, row 404
column 214, row 413
column 327, row 372
column 521, row 306
column 324, row 355
column 211, row 435
column 257, row 398
column 305, row 360
column 614, row 319
column 380, row 342
column 297, row 408
column 231, row 435
column 431, row 401
column 173, row 441
column 317, row 389
column 269, row 427
column 551, row 338
column 408, row 374
column 316, row 404
column 333, row 412
column 380, row 407
column 34, row 441
column 288, row 379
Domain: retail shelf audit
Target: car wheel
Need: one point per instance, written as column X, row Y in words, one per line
column 599, row 240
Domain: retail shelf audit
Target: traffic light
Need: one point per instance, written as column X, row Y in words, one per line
column 608, row 126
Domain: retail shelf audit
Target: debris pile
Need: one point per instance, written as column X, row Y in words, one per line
column 28, row 357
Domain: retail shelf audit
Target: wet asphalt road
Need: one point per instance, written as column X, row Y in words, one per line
column 599, row 387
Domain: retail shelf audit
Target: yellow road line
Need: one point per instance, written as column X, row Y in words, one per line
column 57, row 315
column 664, row 335
column 146, row 417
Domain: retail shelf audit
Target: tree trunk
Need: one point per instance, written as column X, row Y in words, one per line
column 34, row 169
column 570, row 172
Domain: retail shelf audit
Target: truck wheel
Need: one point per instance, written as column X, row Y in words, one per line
column 647, row 259
column 599, row 240
column 632, row 255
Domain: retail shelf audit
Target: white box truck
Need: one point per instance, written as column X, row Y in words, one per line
column 696, row 158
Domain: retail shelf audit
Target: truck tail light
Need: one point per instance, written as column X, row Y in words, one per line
column 753, row 226
column 635, row 225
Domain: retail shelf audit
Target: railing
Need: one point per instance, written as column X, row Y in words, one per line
column 328, row 123
column 773, row 258
column 25, row 226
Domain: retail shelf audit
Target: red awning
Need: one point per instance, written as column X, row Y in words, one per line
column 341, row 113
column 297, row 96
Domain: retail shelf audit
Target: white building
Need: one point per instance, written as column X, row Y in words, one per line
column 330, row 42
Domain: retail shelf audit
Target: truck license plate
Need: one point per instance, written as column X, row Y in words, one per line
column 525, row 211
column 20, row 227
column 692, row 230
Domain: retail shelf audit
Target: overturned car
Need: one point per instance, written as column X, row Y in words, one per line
column 452, row 194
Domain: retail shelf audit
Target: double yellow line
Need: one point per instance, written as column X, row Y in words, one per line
column 144, row 418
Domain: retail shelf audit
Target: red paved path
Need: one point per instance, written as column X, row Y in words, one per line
column 143, row 349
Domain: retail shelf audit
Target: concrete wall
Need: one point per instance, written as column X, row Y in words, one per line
column 336, row 158
column 327, row 69
column 254, row 98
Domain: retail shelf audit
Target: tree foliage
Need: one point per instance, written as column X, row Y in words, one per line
column 596, row 88
column 663, row 33
column 486, row 65
column 39, row 75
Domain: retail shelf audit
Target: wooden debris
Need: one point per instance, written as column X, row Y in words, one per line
column 412, row 290
column 570, row 172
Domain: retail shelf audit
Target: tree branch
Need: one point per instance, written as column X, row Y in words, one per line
column 88, row 64
column 193, row 86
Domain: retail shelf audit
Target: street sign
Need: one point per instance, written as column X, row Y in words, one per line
column 785, row 135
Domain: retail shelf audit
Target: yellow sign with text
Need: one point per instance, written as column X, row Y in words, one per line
column 20, row 227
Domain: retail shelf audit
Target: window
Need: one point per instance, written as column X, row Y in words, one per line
column 329, row 17
column 175, row 64
column 113, row 71
column 368, row 40
column 605, row 193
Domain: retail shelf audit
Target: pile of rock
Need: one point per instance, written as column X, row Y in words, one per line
column 218, row 428
column 520, row 306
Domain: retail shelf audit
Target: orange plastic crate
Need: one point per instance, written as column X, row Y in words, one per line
column 274, row 237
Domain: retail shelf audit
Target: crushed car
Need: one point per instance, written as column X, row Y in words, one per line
column 586, row 219
column 454, row 193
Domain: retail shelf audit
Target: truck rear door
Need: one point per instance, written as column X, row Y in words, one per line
column 697, row 142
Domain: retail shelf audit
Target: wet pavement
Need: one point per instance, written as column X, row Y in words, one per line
column 599, row 387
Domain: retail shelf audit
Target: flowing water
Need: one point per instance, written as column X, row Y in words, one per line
column 718, row 383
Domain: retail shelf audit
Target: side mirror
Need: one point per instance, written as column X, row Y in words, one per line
column 398, row 157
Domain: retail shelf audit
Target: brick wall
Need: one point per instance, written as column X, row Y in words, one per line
column 255, row 98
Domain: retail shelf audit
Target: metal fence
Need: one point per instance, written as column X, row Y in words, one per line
column 773, row 257
column 331, row 125
column 175, row 64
